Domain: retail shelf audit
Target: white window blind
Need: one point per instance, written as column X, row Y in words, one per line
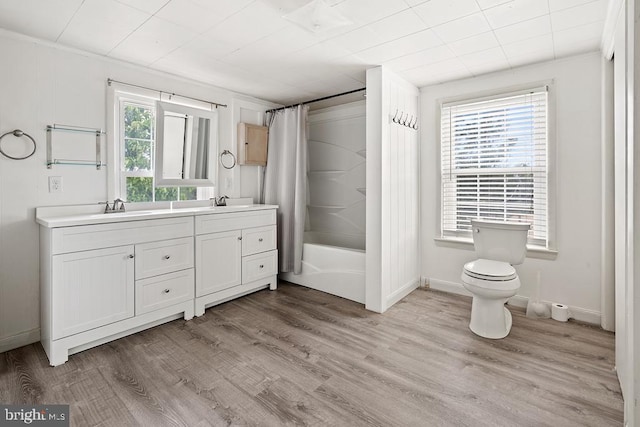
column 494, row 162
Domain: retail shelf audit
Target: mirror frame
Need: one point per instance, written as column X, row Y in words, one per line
column 161, row 107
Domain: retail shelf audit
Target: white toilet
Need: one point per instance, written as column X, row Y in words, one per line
column 491, row 279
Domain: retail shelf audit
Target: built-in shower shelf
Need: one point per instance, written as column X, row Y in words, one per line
column 334, row 172
column 331, row 209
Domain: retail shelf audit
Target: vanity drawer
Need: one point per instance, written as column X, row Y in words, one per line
column 260, row 239
column 154, row 259
column 162, row 291
column 259, row 266
column 214, row 223
column 97, row 236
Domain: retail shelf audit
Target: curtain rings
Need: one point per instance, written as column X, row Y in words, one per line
column 233, row 159
column 17, row 133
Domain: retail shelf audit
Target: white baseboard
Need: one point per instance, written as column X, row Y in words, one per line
column 577, row 313
column 19, row 340
column 401, row 293
column 449, row 287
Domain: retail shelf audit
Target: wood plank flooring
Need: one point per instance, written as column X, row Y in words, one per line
column 296, row 356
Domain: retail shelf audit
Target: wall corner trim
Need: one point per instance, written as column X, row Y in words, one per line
column 608, row 33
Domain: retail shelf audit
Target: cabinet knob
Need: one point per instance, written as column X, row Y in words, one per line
column 240, row 238
column 261, row 265
column 260, row 239
column 166, row 291
column 166, row 256
column 131, row 256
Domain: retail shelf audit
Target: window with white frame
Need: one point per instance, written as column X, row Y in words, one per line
column 494, row 162
column 135, row 137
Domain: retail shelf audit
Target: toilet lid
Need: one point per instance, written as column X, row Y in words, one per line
column 488, row 269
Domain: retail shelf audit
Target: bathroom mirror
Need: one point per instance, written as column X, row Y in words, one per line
column 186, row 146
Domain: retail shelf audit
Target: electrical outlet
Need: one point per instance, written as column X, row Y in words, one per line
column 55, row 184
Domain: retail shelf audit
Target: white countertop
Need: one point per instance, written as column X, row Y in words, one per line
column 48, row 218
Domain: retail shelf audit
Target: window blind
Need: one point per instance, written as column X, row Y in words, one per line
column 494, row 162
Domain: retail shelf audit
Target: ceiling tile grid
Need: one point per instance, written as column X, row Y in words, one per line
column 247, row 46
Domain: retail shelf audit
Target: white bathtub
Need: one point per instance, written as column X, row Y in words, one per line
column 332, row 269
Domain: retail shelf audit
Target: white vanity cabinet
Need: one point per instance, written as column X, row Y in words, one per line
column 103, row 277
column 235, row 255
column 100, row 282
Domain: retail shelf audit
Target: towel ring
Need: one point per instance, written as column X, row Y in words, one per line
column 229, row 153
column 18, row 133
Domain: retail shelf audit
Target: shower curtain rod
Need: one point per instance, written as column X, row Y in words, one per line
column 109, row 81
column 317, row 100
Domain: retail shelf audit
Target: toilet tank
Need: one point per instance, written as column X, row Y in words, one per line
column 500, row 241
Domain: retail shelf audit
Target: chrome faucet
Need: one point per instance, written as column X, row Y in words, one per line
column 220, row 201
column 118, row 206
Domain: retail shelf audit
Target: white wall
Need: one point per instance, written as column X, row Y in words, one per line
column 393, row 244
column 40, row 85
column 573, row 277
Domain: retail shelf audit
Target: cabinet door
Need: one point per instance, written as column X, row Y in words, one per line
column 252, row 144
column 218, row 261
column 91, row 289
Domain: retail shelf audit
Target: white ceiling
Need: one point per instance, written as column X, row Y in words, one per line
column 246, row 45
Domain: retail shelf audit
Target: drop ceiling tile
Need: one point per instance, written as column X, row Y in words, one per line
column 475, row 43
column 421, row 59
column 462, row 28
column 524, row 30
column 579, row 15
column 404, row 46
column 415, row 2
column 451, row 69
column 486, row 4
column 436, row 12
column 422, row 79
column 324, row 52
column 148, row 6
column 36, row 18
column 99, row 25
column 286, row 41
column 364, row 12
column 556, row 5
column 289, row 74
column 153, row 40
column 359, row 39
column 201, row 46
column 485, row 61
column 529, row 50
column 248, row 25
column 398, row 25
column 584, row 38
column 339, row 83
column 515, row 11
column 199, row 16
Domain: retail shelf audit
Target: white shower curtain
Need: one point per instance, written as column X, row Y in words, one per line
column 285, row 182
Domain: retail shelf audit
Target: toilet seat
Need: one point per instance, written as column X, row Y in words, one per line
column 490, row 270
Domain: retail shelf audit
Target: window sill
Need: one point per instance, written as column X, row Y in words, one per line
column 538, row 252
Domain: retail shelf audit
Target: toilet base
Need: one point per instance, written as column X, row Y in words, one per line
column 490, row 318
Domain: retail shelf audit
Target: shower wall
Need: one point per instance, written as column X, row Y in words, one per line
column 337, row 176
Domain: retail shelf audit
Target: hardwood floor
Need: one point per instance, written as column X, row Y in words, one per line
column 298, row 356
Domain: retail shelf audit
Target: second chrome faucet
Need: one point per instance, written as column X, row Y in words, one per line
column 118, row 206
